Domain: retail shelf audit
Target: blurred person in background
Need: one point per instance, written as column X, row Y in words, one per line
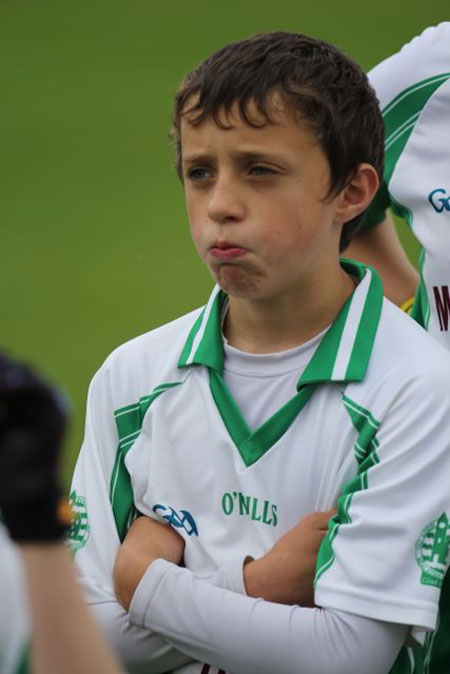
column 413, row 87
column 45, row 627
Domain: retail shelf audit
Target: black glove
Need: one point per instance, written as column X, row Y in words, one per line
column 32, row 423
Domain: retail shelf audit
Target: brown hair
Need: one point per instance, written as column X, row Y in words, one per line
column 317, row 82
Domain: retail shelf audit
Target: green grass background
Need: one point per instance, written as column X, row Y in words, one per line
column 95, row 247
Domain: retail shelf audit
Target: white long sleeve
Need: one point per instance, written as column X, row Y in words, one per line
column 141, row 650
column 144, row 650
column 244, row 635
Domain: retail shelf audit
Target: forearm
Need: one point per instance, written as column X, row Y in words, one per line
column 143, row 651
column 65, row 636
column 243, row 635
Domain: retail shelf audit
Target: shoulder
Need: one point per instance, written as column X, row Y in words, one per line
column 136, row 367
column 426, row 55
column 401, row 340
column 161, row 344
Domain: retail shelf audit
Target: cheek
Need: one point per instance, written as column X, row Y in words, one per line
column 291, row 240
column 197, row 239
column 194, row 218
column 287, row 229
column 301, row 224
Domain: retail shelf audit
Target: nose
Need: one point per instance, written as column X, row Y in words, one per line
column 226, row 202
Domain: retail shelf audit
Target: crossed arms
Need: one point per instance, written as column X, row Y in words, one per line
column 246, row 634
column 284, row 574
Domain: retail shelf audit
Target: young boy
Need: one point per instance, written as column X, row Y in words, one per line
column 297, row 387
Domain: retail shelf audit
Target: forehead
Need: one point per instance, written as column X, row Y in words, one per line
column 279, row 128
column 272, row 108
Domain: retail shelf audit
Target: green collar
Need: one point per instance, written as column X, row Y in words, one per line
column 342, row 355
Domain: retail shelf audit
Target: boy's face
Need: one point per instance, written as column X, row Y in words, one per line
column 256, row 204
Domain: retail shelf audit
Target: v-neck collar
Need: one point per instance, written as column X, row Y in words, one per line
column 343, row 355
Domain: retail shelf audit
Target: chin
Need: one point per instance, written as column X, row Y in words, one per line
column 238, row 282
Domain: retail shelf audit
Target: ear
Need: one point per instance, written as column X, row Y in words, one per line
column 357, row 194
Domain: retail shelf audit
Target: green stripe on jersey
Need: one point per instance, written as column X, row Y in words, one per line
column 366, row 444
column 204, row 344
column 434, row 656
column 421, row 308
column 345, row 350
column 129, row 421
column 405, row 662
column 321, row 365
column 365, row 450
column 190, row 340
column 437, row 659
column 413, row 660
column 24, row 663
column 210, row 349
column 370, row 316
column 401, row 115
column 252, row 445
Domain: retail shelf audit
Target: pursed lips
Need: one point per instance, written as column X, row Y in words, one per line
column 225, row 250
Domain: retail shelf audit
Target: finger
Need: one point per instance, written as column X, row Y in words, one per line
column 325, row 521
column 321, row 519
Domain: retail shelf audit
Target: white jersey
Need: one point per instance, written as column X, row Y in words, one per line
column 365, row 427
column 413, row 87
column 14, row 626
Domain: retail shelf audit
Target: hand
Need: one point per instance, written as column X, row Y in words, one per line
column 32, row 423
column 145, row 541
column 285, row 574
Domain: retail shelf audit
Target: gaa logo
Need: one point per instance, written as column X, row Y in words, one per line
column 181, row 520
column 432, row 551
column 439, row 203
column 79, row 531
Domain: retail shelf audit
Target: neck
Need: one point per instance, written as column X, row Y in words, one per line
column 279, row 323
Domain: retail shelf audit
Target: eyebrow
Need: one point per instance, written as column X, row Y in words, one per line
column 240, row 156
column 197, row 158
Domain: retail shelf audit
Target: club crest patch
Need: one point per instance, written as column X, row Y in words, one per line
column 432, row 551
column 79, row 531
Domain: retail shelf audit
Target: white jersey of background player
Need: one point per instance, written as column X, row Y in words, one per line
column 360, row 420
column 413, row 87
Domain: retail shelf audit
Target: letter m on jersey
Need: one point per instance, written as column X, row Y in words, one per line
column 442, row 300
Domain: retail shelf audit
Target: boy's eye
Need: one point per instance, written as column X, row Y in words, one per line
column 199, row 173
column 261, row 171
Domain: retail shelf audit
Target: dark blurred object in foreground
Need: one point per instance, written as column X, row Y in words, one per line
column 32, row 424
